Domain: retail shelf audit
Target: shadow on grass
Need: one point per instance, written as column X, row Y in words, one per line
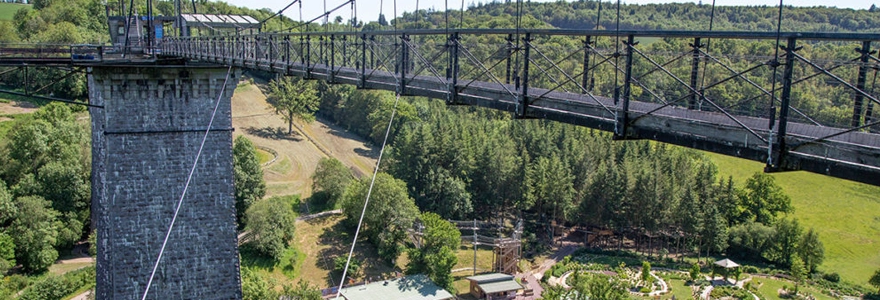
column 275, row 133
column 250, row 257
column 339, row 237
column 318, row 202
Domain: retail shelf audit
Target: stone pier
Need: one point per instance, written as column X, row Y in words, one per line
column 144, row 143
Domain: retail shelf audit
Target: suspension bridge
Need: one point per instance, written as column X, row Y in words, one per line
column 152, row 98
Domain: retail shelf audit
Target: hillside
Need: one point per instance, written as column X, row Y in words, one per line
column 580, row 14
column 7, row 10
column 843, row 212
column 298, row 154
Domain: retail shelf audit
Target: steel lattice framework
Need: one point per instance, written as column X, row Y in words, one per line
column 732, row 93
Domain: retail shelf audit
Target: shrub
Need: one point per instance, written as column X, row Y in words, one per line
column 58, row 287
column 558, row 269
column 645, row 290
column 353, row 267
column 750, row 269
column 833, row 277
column 728, row 291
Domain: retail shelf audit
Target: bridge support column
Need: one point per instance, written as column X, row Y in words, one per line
column 622, row 126
column 779, row 149
column 508, row 59
column 331, row 73
column 522, row 109
column 695, row 73
column 865, row 51
column 452, row 70
column 144, row 144
column 585, row 78
column 287, row 61
column 362, row 80
column 403, row 64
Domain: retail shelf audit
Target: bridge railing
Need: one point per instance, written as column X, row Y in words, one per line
column 795, row 101
column 17, row 52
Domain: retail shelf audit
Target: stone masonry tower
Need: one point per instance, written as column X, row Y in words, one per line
column 144, row 143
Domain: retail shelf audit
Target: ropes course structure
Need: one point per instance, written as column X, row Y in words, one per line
column 506, row 242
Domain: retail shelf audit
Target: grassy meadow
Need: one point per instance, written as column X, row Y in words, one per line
column 846, row 215
column 7, row 10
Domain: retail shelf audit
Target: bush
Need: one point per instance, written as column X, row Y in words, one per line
column 728, row 291
column 58, row 287
column 833, row 277
column 645, row 290
column 558, row 269
column 353, row 267
column 750, row 269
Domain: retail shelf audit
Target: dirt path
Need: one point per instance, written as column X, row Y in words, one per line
column 299, row 152
column 531, row 278
column 15, row 107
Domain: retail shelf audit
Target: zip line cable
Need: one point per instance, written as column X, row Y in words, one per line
column 186, row 185
column 127, row 27
column 617, row 56
column 590, row 70
column 461, row 16
column 280, row 11
column 708, row 46
column 775, row 70
column 775, row 62
column 367, row 200
column 446, row 6
column 327, row 13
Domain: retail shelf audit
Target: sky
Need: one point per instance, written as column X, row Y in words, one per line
column 368, row 10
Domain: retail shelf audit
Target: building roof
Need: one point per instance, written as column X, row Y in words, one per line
column 495, row 283
column 491, row 277
column 413, row 287
column 220, row 20
column 726, row 263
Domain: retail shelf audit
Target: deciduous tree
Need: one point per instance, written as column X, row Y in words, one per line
column 293, row 98
column 35, row 231
column 389, row 213
column 330, row 180
column 811, row 250
column 271, row 222
column 248, row 177
column 762, row 199
column 798, row 272
column 875, row 280
column 436, row 257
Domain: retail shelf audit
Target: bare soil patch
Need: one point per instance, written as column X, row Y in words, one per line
column 16, row 107
column 298, row 152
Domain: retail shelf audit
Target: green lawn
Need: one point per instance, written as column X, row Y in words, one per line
column 7, row 10
column 264, row 156
column 283, row 166
column 846, row 215
column 679, row 290
column 769, row 289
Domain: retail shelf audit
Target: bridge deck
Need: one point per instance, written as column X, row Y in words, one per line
column 848, row 153
column 853, row 155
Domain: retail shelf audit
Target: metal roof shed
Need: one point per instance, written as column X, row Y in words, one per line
column 220, row 21
column 413, row 287
column 494, row 286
